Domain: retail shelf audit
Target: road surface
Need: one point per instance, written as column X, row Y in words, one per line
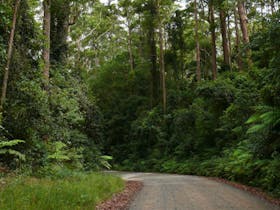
column 178, row 192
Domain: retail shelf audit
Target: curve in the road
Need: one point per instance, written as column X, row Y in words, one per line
column 176, row 192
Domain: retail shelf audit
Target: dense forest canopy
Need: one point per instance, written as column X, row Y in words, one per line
column 189, row 87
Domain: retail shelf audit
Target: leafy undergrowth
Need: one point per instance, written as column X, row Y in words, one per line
column 82, row 191
column 236, row 164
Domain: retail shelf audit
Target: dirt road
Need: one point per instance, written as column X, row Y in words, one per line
column 175, row 192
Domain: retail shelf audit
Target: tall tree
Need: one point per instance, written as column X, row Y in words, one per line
column 224, row 33
column 161, row 57
column 213, row 39
column 152, row 17
column 244, row 29
column 60, row 22
column 198, row 57
column 127, row 13
column 243, row 21
column 237, row 41
column 9, row 56
column 131, row 57
column 229, row 32
column 46, row 50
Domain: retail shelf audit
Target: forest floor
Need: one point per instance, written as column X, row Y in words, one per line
column 123, row 199
column 178, row 192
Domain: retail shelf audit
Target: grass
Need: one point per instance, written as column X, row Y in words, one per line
column 81, row 192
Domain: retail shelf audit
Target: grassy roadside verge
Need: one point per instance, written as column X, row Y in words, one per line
column 78, row 192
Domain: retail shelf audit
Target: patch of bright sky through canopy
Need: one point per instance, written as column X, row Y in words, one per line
column 181, row 3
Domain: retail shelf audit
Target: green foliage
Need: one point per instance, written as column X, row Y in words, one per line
column 60, row 153
column 269, row 176
column 81, row 191
column 104, row 161
column 10, row 143
column 267, row 118
column 6, row 148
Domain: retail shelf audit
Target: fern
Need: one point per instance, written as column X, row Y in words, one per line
column 6, row 150
column 10, row 143
column 104, row 161
column 266, row 118
column 60, row 152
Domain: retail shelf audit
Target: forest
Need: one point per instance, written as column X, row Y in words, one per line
column 186, row 87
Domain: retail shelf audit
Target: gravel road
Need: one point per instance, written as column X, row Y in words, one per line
column 176, row 192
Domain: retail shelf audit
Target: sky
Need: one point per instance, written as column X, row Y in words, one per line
column 180, row 2
column 106, row 1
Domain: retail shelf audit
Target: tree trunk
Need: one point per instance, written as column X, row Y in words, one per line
column 244, row 29
column 155, row 80
column 198, row 58
column 243, row 21
column 224, row 38
column 213, row 40
column 131, row 58
column 60, row 13
column 237, row 41
column 46, row 50
column 141, row 40
column 9, row 56
column 162, row 70
column 154, row 71
column 229, row 32
column 161, row 59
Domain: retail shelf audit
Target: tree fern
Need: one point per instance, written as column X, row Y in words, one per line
column 266, row 118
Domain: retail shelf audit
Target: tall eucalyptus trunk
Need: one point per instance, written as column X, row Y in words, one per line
column 9, row 55
column 198, row 56
column 131, row 57
column 243, row 21
column 155, row 80
column 244, row 29
column 161, row 59
column 213, row 40
column 225, row 37
column 237, row 41
column 60, row 23
column 46, row 50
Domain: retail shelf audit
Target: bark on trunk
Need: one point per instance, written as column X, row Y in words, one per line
column 198, row 57
column 237, row 41
column 60, row 12
column 46, row 50
column 243, row 21
column 244, row 29
column 141, row 40
column 162, row 70
column 9, row 55
column 161, row 59
column 213, row 40
column 229, row 31
column 225, row 38
column 131, row 58
column 155, row 82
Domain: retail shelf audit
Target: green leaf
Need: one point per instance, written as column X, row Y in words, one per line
column 13, row 152
column 256, row 128
column 254, row 118
column 10, row 143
